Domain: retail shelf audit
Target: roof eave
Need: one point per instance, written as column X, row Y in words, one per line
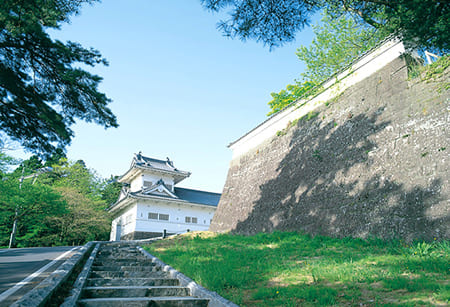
column 176, row 200
column 178, row 175
column 121, row 203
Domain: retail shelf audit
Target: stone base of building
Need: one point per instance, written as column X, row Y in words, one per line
column 141, row 235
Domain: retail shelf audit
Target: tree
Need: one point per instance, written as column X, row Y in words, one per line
column 65, row 206
column 85, row 220
column 267, row 21
column 42, row 89
column 5, row 162
column 424, row 22
column 111, row 190
column 34, row 203
column 81, row 189
column 337, row 42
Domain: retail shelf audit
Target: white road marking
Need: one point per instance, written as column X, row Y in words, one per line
column 25, row 281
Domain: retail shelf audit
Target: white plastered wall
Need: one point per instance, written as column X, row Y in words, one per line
column 127, row 220
column 138, row 182
column 177, row 213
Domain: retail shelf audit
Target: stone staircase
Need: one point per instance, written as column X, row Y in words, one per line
column 122, row 276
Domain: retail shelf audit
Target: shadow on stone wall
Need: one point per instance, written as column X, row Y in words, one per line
column 329, row 184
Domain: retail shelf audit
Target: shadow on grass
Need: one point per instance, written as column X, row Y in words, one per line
column 289, row 269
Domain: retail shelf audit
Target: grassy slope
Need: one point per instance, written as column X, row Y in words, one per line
column 292, row 269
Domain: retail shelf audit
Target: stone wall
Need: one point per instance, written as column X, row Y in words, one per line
column 372, row 162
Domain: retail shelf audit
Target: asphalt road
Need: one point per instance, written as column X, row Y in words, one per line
column 18, row 264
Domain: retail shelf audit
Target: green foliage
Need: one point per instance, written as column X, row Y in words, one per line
column 76, row 175
column 81, row 189
column 111, row 190
column 424, row 22
column 35, row 203
column 294, row 269
column 337, row 43
column 429, row 72
column 424, row 249
column 5, row 162
column 85, row 220
column 42, row 89
column 61, row 207
column 269, row 22
column 292, row 93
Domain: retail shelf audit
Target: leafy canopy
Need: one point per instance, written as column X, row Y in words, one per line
column 424, row 22
column 65, row 206
column 337, row 42
column 35, row 203
column 42, row 89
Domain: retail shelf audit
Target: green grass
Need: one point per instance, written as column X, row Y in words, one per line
column 292, row 269
column 432, row 72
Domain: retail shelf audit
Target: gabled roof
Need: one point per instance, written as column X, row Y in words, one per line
column 159, row 189
column 141, row 160
column 166, row 167
column 180, row 195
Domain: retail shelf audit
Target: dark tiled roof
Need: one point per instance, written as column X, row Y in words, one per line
column 199, row 197
column 188, row 195
column 155, row 163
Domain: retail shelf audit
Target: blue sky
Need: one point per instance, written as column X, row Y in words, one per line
column 179, row 88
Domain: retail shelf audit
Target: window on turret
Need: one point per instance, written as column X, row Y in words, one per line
column 164, row 217
column 158, row 216
column 191, row 219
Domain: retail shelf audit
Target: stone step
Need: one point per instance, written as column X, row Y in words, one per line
column 186, row 301
column 104, row 282
column 109, row 253
column 115, row 248
column 118, row 251
column 130, row 268
column 118, row 248
column 121, row 257
column 134, row 291
column 124, row 262
column 122, row 274
column 127, row 248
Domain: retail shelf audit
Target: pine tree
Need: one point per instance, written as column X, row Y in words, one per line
column 42, row 88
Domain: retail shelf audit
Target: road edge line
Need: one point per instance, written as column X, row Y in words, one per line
column 26, row 280
column 45, row 289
